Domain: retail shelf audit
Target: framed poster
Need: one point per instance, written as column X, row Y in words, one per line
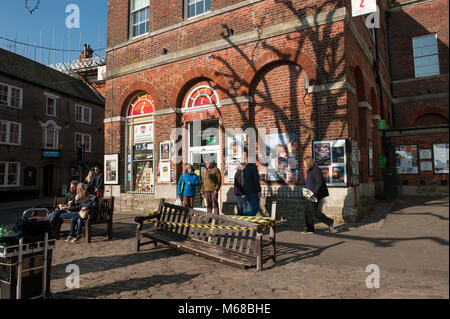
column 164, row 148
column 406, row 159
column 231, row 170
column 440, row 152
column 425, row 154
column 235, row 147
column 331, row 158
column 370, row 158
column 143, row 151
column 165, row 172
column 111, row 165
column 282, row 151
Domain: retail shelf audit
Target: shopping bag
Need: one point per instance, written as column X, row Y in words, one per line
column 308, row 195
column 178, row 202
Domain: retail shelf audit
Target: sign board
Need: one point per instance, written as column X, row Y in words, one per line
column 382, row 124
column 101, row 73
column 362, row 7
column 50, row 154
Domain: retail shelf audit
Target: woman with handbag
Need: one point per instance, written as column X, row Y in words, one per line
column 187, row 185
column 84, row 202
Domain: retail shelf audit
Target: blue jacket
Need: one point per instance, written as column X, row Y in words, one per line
column 188, row 190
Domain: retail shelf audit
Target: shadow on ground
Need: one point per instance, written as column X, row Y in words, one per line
column 104, row 263
column 135, row 285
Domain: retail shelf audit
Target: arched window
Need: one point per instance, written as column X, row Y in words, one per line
column 202, row 96
column 50, row 135
column 140, row 144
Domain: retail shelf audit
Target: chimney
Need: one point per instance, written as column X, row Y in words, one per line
column 87, row 53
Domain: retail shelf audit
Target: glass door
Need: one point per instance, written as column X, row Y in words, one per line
column 198, row 160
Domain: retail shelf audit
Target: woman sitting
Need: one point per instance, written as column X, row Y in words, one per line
column 85, row 202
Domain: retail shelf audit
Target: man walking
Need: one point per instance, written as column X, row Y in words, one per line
column 315, row 182
column 252, row 189
column 211, row 182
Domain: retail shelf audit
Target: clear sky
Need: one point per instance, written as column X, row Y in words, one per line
column 16, row 22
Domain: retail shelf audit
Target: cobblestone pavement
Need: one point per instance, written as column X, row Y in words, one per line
column 413, row 262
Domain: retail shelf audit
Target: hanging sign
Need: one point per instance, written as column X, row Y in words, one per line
column 362, row 7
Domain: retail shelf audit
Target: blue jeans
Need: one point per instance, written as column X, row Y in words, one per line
column 54, row 215
column 240, row 205
column 76, row 221
column 251, row 204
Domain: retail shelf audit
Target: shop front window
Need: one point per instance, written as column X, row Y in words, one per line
column 140, row 145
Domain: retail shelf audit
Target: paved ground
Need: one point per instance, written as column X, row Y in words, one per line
column 410, row 245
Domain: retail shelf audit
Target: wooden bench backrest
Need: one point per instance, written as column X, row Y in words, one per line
column 229, row 234
column 105, row 208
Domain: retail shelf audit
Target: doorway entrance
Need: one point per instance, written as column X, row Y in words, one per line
column 204, row 146
column 48, row 180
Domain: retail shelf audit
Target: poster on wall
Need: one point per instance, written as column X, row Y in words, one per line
column 144, row 177
column 370, row 158
column 143, row 133
column 282, row 150
column 164, row 148
column 165, row 172
column 426, row 166
column 111, row 165
column 440, row 158
column 406, row 159
column 331, row 158
column 322, row 153
column 425, row 154
column 235, row 147
column 231, row 170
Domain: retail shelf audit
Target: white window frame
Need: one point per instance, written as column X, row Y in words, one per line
column 132, row 12
column 9, row 95
column 54, row 98
column 55, row 137
column 83, row 136
column 186, row 10
column 197, row 108
column 83, row 109
column 5, row 182
column 8, row 133
column 430, row 55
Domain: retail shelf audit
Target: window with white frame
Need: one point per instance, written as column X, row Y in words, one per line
column 139, row 17
column 50, row 135
column 83, row 139
column 426, row 58
column 10, row 133
column 194, row 8
column 9, row 174
column 10, row 95
column 50, row 104
column 83, row 114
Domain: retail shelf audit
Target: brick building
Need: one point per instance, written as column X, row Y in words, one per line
column 419, row 58
column 306, row 76
column 44, row 116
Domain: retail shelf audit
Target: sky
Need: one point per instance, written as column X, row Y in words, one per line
column 16, row 23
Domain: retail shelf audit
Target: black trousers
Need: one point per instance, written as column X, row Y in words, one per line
column 313, row 212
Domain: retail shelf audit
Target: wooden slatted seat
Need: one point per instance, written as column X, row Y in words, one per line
column 235, row 241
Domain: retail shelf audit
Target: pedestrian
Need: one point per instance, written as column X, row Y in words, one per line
column 211, row 182
column 239, row 189
column 252, row 189
column 187, row 186
column 315, row 182
column 95, row 186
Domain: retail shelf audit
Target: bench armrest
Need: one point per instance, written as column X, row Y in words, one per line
column 141, row 219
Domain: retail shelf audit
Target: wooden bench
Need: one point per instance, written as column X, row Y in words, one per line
column 102, row 215
column 233, row 240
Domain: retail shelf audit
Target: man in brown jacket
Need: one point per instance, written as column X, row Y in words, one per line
column 211, row 182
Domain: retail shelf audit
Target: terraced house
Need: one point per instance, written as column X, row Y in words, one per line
column 306, row 76
column 44, row 116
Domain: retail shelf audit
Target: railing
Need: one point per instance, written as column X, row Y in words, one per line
column 79, row 65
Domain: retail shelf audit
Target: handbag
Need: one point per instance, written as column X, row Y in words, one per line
column 83, row 213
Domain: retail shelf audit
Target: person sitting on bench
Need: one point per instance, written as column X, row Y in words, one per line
column 77, row 212
column 68, row 201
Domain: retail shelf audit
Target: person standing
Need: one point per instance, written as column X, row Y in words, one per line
column 211, row 182
column 252, row 189
column 95, row 185
column 239, row 189
column 315, row 182
column 187, row 185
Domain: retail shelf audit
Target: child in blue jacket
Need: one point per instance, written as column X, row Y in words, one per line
column 187, row 185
